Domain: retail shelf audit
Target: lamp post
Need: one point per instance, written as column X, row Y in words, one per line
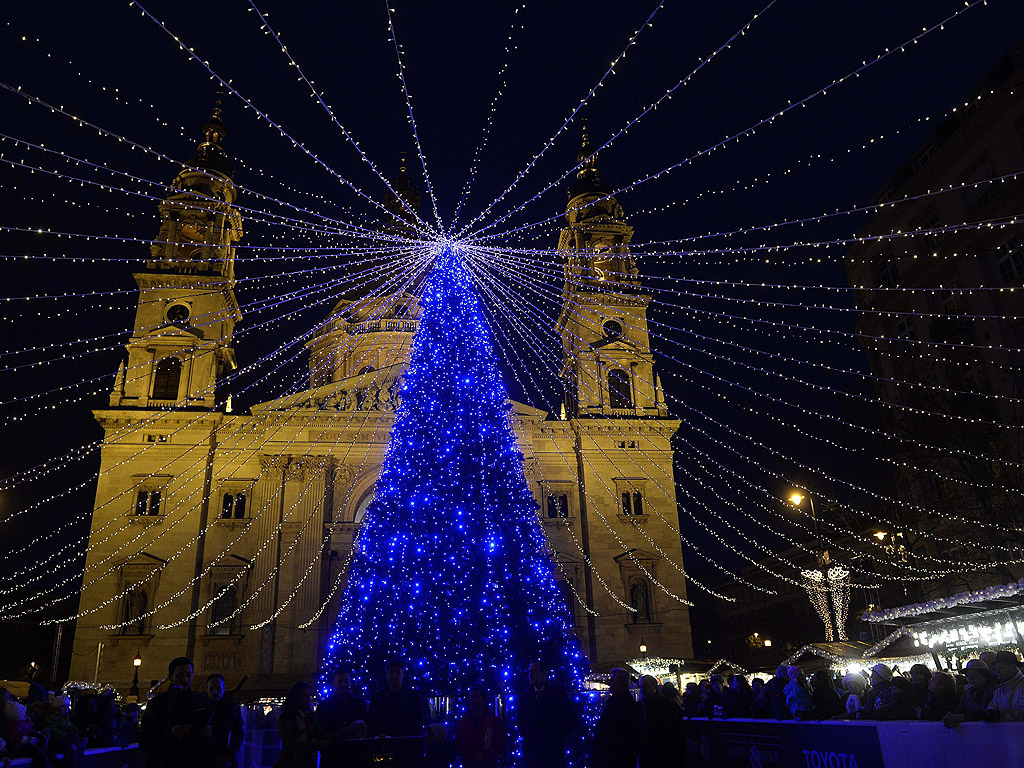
column 134, row 690
column 643, row 651
column 797, row 499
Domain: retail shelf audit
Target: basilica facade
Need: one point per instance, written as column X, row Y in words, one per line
column 225, row 535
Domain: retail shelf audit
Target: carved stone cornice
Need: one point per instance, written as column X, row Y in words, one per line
column 301, row 469
column 274, row 463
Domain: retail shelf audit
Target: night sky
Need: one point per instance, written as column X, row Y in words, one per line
column 66, row 54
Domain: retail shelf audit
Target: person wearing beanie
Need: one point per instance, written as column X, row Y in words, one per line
column 896, row 702
column 981, row 684
column 881, row 682
column 798, row 698
column 1008, row 698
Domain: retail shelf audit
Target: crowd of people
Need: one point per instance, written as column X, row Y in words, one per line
column 648, row 730
column 175, row 727
column 46, row 729
column 989, row 688
column 182, row 728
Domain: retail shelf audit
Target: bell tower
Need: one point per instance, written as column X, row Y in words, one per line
column 180, row 351
column 607, row 367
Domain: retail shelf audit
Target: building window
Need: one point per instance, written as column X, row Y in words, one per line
column 888, row 270
column 640, row 601
column 953, row 300
column 558, row 506
column 632, row 503
column 1010, row 260
column 233, row 506
column 167, row 378
column 928, row 240
column 136, row 602
column 619, row 394
column 147, row 502
column 904, row 330
column 224, row 604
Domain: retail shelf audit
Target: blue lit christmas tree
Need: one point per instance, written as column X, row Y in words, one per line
column 451, row 572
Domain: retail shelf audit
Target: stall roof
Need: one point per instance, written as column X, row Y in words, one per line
column 995, row 598
column 855, row 650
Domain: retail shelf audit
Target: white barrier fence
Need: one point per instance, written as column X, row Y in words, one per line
column 852, row 744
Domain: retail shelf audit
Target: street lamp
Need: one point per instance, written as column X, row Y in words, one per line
column 643, row 650
column 797, row 499
column 134, row 690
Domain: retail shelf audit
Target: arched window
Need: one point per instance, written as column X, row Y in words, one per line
column 134, row 616
column 224, row 604
column 558, row 506
column 619, row 395
column 233, row 506
column 147, row 503
column 167, row 378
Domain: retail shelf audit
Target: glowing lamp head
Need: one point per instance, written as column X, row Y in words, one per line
column 643, row 648
column 137, row 661
column 880, row 535
column 767, row 643
column 797, row 499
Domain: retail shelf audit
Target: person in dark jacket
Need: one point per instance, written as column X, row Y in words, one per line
column 941, row 697
column 920, row 676
column 618, row 731
column 226, row 730
column 301, row 735
column 670, row 692
column 739, row 697
column 827, row 703
column 662, row 726
column 546, row 720
column 775, row 691
column 897, row 702
column 881, row 681
column 713, row 703
column 691, row 700
column 172, row 725
column 397, row 710
column 762, row 709
column 342, row 708
column 981, row 684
